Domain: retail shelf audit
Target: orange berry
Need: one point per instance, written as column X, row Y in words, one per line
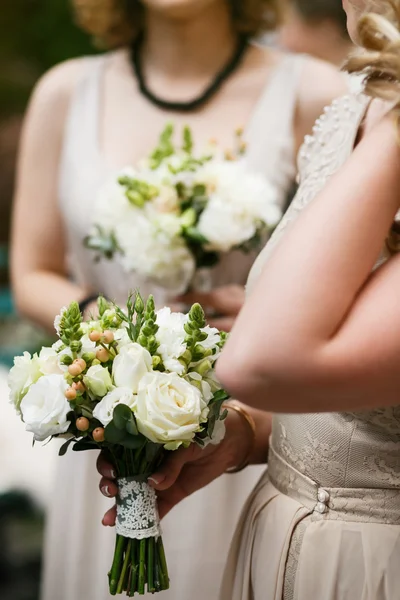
column 108, row 337
column 70, row 394
column 98, row 434
column 82, row 424
column 95, row 336
column 81, row 363
column 102, row 355
column 75, row 369
column 78, row 386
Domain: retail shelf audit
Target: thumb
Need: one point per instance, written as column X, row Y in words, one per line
column 168, row 473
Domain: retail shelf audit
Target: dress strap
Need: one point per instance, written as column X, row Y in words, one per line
column 81, row 127
column 272, row 150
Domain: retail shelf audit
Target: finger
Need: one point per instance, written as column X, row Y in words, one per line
column 169, row 471
column 222, row 323
column 105, row 468
column 110, row 517
column 108, row 488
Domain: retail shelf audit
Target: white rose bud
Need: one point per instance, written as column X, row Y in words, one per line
column 98, row 380
column 104, row 410
column 169, row 410
column 131, row 365
column 45, row 408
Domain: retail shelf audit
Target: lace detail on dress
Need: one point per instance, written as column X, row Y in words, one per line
column 293, row 559
column 137, row 514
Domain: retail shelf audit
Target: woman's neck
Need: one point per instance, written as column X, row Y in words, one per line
column 195, row 46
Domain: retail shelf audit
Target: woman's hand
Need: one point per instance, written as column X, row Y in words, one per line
column 221, row 305
column 187, row 470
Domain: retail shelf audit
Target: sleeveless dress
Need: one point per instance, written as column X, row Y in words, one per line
column 324, row 520
column 197, row 534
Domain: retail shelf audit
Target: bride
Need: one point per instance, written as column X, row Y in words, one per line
column 318, row 345
column 87, row 119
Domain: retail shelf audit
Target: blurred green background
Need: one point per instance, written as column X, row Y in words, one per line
column 34, row 35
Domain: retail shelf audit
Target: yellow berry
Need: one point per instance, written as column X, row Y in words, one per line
column 82, row 424
column 70, row 394
column 108, row 337
column 102, row 355
column 98, row 434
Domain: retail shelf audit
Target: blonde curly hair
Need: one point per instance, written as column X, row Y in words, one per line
column 115, row 23
column 379, row 37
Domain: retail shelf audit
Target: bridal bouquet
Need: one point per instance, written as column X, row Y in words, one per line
column 177, row 212
column 136, row 384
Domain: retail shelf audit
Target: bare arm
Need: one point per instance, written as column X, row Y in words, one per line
column 320, row 333
column 40, row 282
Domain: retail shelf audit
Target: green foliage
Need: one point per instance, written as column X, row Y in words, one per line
column 35, row 35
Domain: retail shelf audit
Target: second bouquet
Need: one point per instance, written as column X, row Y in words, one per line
column 177, row 212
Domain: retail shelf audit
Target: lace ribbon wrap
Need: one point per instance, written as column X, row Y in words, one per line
column 137, row 513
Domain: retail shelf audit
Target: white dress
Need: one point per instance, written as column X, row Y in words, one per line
column 197, row 534
column 323, row 522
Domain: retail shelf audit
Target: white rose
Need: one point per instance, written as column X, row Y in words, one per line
column 45, row 407
column 171, row 337
column 168, row 409
column 104, row 410
column 225, row 228
column 122, row 338
column 24, row 373
column 131, row 365
column 49, row 362
column 98, row 380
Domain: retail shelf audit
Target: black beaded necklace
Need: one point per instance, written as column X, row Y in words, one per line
column 208, row 93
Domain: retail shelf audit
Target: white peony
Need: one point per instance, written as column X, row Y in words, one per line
column 240, row 201
column 171, row 337
column 104, row 410
column 131, row 365
column 153, row 248
column 169, row 410
column 98, row 380
column 23, row 374
column 45, row 408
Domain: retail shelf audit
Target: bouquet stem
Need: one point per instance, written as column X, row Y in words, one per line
column 139, row 566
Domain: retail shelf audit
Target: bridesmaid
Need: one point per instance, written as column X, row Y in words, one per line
column 318, row 344
column 92, row 116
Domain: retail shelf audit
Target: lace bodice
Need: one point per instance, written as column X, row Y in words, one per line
column 339, row 449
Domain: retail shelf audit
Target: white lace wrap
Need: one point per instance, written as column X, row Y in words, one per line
column 137, row 513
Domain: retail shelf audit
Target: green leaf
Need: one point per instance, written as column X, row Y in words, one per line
column 121, row 415
column 187, row 140
column 131, row 427
column 63, row 449
column 133, row 442
column 113, row 435
column 85, row 444
column 152, row 450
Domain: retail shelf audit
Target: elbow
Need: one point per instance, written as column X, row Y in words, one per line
column 241, row 376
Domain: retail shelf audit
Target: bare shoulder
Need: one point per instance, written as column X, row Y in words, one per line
column 320, row 84
column 52, row 94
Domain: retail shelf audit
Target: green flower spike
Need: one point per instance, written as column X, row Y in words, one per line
column 147, row 335
column 70, row 325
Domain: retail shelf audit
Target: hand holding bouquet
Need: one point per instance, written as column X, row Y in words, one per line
column 137, row 384
column 177, row 212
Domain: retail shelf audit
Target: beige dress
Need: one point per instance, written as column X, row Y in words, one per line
column 324, row 521
column 198, row 532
